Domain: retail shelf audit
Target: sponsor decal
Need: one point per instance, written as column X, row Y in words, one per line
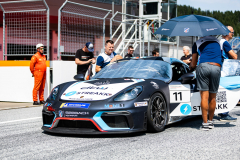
column 102, row 83
column 175, row 86
column 127, row 79
column 92, row 87
column 211, row 29
column 140, row 104
column 155, row 85
column 61, row 113
column 221, row 97
column 165, row 29
column 75, row 84
column 75, row 114
column 47, row 104
column 82, row 99
column 138, row 80
column 96, row 93
column 218, row 106
column 64, row 94
column 71, row 93
column 75, row 105
column 113, row 105
column 186, row 30
column 185, row 109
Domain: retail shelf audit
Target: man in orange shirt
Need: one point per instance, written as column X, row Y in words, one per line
column 38, row 69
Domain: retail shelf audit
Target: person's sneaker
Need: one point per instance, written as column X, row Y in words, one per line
column 228, row 118
column 210, row 124
column 204, row 127
column 36, row 103
column 42, row 102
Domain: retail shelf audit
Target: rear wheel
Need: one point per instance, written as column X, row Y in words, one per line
column 157, row 113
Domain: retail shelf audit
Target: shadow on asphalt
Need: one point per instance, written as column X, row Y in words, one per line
column 97, row 135
column 189, row 122
column 196, row 121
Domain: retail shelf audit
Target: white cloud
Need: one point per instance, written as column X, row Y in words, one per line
column 212, row 5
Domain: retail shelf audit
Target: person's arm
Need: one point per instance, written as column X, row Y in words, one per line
column 228, row 49
column 99, row 63
column 78, row 62
column 232, row 54
column 115, row 58
column 194, row 61
column 32, row 64
column 187, row 61
column 98, row 68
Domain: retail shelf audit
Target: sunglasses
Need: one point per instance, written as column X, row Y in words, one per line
column 41, row 48
column 232, row 32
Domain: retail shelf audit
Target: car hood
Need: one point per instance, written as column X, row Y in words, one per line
column 98, row 89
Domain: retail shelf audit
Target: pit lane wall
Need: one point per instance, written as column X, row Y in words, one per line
column 16, row 81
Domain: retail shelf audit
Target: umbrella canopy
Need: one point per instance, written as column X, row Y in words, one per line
column 192, row 25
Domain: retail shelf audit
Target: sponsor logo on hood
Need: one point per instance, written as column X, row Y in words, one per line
column 71, row 93
column 102, row 83
column 93, row 87
column 96, row 93
column 75, row 105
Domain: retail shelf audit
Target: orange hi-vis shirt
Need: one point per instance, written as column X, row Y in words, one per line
column 38, row 63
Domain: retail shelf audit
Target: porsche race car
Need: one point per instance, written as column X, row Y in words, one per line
column 132, row 95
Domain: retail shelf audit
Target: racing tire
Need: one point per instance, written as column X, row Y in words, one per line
column 157, row 113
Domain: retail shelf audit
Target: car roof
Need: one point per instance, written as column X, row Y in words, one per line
column 166, row 59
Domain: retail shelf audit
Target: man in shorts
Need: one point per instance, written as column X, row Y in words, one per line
column 208, row 75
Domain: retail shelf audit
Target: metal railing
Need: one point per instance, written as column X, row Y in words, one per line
column 79, row 24
column 25, row 24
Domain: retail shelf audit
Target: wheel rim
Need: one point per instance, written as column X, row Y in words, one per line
column 158, row 112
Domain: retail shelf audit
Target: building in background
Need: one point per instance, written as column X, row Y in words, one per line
column 28, row 23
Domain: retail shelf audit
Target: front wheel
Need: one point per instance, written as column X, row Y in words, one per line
column 157, row 113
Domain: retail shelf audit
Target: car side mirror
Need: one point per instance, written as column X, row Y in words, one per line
column 79, row 77
column 187, row 78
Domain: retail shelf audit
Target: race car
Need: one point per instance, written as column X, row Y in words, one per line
column 132, row 95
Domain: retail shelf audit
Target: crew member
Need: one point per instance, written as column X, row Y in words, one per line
column 107, row 57
column 208, row 75
column 84, row 57
column 187, row 56
column 38, row 69
column 130, row 52
column 155, row 53
column 228, row 53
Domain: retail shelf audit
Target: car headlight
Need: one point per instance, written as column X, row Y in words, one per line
column 129, row 94
column 54, row 93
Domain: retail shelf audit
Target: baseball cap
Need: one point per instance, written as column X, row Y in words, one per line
column 89, row 46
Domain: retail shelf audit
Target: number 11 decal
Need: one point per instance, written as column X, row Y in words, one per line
column 176, row 95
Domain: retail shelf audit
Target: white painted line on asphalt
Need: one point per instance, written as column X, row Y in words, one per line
column 20, row 120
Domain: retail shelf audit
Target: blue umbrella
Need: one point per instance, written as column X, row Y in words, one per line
column 192, row 25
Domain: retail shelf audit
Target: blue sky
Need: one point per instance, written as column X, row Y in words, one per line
column 212, row 5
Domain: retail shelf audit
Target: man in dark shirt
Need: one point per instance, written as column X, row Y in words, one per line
column 155, row 52
column 187, row 56
column 130, row 52
column 84, row 57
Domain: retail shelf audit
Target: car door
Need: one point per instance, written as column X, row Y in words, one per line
column 180, row 94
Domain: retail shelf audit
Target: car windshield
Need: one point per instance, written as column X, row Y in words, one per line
column 138, row 69
column 230, row 67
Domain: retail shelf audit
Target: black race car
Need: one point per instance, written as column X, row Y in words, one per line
column 130, row 95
